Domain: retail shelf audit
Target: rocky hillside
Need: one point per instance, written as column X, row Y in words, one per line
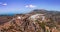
column 54, row 15
column 4, row 19
column 36, row 21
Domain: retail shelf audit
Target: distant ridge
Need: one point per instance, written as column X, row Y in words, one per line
column 43, row 11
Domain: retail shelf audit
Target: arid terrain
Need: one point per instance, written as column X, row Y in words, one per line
column 36, row 21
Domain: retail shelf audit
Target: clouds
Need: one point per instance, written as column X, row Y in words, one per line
column 30, row 6
column 3, row 4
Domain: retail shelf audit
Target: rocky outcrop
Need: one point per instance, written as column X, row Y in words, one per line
column 27, row 23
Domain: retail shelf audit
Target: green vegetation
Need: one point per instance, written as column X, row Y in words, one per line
column 42, row 25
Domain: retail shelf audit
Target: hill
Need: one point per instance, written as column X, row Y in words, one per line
column 35, row 21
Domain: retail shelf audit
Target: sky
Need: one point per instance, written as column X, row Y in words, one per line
column 24, row 6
